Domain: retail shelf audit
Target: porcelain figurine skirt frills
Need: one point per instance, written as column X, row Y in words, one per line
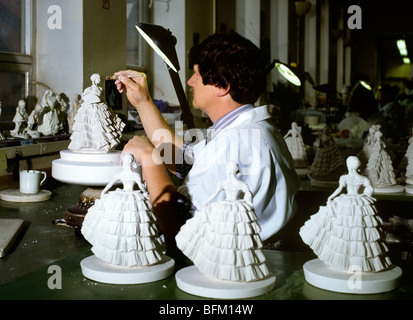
column 347, row 232
column 296, row 147
column 121, row 227
column 223, row 242
column 96, row 128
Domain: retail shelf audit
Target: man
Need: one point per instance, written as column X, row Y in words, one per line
column 229, row 76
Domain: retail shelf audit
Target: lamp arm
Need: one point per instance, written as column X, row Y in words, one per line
column 186, row 115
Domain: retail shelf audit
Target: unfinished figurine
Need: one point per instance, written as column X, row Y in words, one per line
column 76, row 103
column 365, row 153
column 32, row 121
column 409, row 157
column 296, row 146
column 49, row 120
column 97, row 128
column 329, row 163
column 347, row 231
column 379, row 167
column 20, row 121
column 121, row 225
column 223, row 239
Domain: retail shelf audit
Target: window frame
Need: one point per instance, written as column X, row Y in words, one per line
column 22, row 63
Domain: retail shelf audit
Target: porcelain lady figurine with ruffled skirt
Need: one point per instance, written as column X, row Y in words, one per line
column 296, row 146
column 96, row 127
column 223, row 239
column 347, row 231
column 121, row 225
column 328, row 164
column 380, row 170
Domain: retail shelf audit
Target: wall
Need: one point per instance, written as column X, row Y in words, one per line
column 59, row 52
column 170, row 15
column 91, row 40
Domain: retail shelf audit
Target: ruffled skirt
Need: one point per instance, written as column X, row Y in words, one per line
column 223, row 242
column 297, row 149
column 96, row 127
column 348, row 232
column 121, row 227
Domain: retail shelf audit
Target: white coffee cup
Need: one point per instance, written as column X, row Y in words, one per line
column 31, row 180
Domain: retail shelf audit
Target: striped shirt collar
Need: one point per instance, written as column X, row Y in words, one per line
column 227, row 119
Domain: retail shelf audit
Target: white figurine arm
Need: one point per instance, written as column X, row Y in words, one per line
column 336, row 192
column 368, row 189
column 219, row 189
column 109, row 185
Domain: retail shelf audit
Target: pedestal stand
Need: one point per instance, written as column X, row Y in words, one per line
column 194, row 282
column 322, row 276
column 389, row 189
column 89, row 169
column 98, row 270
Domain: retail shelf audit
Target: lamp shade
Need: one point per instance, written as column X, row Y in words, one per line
column 162, row 41
column 292, row 74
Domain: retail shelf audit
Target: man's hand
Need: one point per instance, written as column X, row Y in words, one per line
column 135, row 85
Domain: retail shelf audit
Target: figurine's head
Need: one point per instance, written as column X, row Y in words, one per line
column 128, row 161
column 353, row 163
column 232, row 167
column 95, row 78
column 22, row 103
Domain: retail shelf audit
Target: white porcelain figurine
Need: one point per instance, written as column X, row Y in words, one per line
column 347, row 231
column 96, row 128
column 121, row 225
column 20, row 121
column 296, row 146
column 223, row 239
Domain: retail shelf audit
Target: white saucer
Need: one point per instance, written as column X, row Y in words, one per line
column 322, row 276
column 14, row 195
column 192, row 281
column 98, row 270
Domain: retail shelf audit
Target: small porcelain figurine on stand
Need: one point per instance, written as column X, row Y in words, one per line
column 122, row 229
column 49, row 121
column 224, row 244
column 20, row 121
column 347, row 236
column 91, row 159
column 296, row 146
column 380, row 170
column 328, row 164
column 365, row 153
column 32, row 122
column 409, row 167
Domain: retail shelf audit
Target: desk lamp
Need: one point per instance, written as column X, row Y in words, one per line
column 163, row 42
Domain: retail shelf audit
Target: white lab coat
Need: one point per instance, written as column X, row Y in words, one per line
column 265, row 165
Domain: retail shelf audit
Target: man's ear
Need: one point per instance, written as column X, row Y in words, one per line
column 223, row 91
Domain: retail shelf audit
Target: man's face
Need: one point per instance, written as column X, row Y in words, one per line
column 203, row 95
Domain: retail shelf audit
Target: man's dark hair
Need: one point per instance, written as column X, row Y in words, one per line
column 227, row 58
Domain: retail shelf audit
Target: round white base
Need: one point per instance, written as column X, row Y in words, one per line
column 98, row 270
column 409, row 188
column 192, row 281
column 88, row 169
column 324, row 184
column 389, row 189
column 14, row 195
column 322, row 276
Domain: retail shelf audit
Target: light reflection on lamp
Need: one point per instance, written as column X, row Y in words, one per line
column 288, row 74
column 365, row 85
column 163, row 43
column 155, row 47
